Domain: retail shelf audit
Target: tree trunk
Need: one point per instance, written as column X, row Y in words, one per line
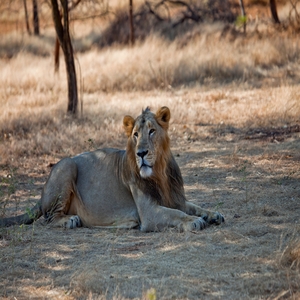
column 274, row 11
column 131, row 22
column 243, row 14
column 56, row 55
column 62, row 32
column 36, row 24
column 26, row 17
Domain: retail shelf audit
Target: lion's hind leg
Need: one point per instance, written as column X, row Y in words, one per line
column 68, row 222
column 58, row 193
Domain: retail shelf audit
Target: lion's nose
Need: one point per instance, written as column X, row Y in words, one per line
column 141, row 154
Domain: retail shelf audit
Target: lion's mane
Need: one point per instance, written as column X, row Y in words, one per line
column 165, row 185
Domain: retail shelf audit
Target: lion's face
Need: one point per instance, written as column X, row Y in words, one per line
column 148, row 138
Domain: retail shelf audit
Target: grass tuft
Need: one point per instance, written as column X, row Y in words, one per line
column 291, row 254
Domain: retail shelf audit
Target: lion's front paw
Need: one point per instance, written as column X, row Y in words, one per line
column 214, row 218
column 195, row 225
column 199, row 224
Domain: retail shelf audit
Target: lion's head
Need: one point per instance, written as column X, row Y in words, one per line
column 148, row 141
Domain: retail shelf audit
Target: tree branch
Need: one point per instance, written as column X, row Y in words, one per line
column 190, row 12
column 159, row 18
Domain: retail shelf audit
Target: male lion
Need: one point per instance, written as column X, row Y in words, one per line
column 140, row 187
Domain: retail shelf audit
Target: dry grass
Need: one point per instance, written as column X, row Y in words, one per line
column 199, row 58
column 290, row 256
column 218, row 88
column 205, row 61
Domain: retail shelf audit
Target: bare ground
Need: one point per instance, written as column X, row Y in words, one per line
column 252, row 177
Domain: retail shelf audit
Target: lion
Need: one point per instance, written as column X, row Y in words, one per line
column 140, row 187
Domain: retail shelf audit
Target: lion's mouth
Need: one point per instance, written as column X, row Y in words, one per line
column 145, row 170
column 145, row 165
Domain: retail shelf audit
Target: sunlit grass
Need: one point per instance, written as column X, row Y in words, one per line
column 209, row 80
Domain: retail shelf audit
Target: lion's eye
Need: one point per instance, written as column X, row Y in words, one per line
column 136, row 134
column 151, row 131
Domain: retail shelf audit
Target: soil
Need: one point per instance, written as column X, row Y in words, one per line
column 252, row 178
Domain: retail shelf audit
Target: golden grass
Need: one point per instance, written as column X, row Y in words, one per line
column 206, row 59
column 291, row 254
column 34, row 99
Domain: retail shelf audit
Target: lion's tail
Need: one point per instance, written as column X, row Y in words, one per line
column 28, row 218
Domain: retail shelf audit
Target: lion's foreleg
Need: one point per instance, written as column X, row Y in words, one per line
column 154, row 217
column 158, row 218
column 211, row 217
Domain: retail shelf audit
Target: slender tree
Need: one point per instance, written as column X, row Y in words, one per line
column 274, row 11
column 26, row 17
column 131, row 22
column 56, row 55
column 63, row 34
column 36, row 24
column 242, row 6
column 57, row 46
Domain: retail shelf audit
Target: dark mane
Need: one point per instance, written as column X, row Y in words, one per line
column 174, row 186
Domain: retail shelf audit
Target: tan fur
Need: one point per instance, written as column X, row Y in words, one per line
column 140, row 187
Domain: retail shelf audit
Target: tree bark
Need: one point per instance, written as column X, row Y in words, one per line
column 243, row 14
column 36, row 24
column 56, row 55
column 26, row 17
column 131, row 22
column 63, row 34
column 274, row 11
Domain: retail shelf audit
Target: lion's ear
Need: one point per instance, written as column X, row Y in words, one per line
column 128, row 123
column 163, row 116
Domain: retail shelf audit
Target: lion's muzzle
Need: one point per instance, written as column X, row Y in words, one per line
column 143, row 164
column 142, row 154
